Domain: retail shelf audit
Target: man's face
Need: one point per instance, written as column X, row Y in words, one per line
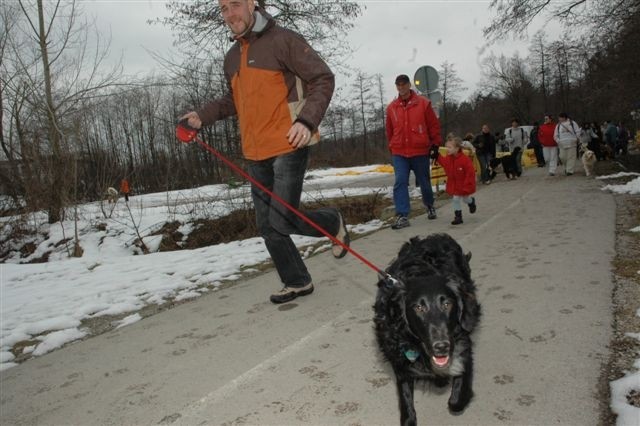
column 514, row 124
column 237, row 14
column 485, row 129
column 403, row 89
column 547, row 119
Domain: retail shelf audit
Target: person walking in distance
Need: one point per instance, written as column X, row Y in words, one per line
column 461, row 177
column 516, row 137
column 549, row 145
column 485, row 145
column 280, row 89
column 124, row 188
column 413, row 130
column 566, row 136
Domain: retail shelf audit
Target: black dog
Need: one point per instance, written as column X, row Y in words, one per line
column 508, row 163
column 423, row 318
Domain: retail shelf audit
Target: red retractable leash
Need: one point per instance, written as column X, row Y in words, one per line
column 188, row 134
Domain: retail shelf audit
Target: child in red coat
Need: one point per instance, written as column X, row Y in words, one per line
column 461, row 177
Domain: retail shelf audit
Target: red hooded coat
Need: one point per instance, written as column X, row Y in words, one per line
column 412, row 127
column 461, row 176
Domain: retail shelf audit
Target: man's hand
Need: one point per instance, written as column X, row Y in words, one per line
column 299, row 135
column 434, row 152
column 192, row 119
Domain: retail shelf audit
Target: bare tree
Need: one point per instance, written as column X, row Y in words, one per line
column 599, row 21
column 508, row 77
column 451, row 86
column 539, row 59
column 55, row 67
column 362, row 90
column 324, row 24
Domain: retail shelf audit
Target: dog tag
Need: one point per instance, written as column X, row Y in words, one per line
column 411, row 355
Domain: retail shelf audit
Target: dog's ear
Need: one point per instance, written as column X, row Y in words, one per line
column 468, row 256
column 468, row 310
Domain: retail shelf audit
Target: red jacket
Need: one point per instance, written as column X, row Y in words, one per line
column 461, row 176
column 124, row 186
column 412, row 127
column 545, row 134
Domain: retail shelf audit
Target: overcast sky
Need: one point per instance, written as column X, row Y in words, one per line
column 391, row 37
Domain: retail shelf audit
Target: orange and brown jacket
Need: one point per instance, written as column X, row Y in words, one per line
column 275, row 79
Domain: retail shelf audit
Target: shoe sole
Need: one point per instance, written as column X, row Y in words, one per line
column 290, row 296
column 400, row 227
column 346, row 240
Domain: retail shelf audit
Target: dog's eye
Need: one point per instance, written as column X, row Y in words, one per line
column 420, row 308
column 447, row 305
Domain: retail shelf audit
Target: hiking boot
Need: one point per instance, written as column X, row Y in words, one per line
column 401, row 222
column 458, row 219
column 342, row 236
column 289, row 293
column 431, row 212
column 472, row 205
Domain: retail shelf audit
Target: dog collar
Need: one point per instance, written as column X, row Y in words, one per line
column 411, row 354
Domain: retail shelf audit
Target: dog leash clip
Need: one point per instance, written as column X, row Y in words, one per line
column 388, row 280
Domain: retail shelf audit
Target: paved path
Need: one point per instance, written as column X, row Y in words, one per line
column 541, row 248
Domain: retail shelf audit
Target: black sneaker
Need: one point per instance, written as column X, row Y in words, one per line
column 401, row 222
column 431, row 212
column 472, row 206
column 289, row 293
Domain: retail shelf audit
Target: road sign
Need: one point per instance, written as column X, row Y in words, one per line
column 426, row 79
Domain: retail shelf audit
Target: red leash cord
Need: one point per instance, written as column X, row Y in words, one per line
column 187, row 134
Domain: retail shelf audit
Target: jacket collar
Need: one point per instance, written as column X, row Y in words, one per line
column 261, row 23
column 409, row 101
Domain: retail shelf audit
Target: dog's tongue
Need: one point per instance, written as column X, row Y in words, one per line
column 441, row 361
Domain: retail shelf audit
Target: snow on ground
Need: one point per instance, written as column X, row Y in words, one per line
column 44, row 304
column 627, row 413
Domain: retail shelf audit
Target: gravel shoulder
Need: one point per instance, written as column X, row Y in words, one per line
column 624, row 350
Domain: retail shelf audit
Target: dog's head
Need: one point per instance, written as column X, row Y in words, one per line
column 431, row 303
column 435, row 314
column 588, row 155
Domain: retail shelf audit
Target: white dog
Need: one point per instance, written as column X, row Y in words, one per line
column 588, row 160
column 112, row 195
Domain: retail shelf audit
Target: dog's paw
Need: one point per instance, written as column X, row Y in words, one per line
column 458, row 405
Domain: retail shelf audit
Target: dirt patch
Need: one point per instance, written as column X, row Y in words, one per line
column 623, row 350
column 241, row 224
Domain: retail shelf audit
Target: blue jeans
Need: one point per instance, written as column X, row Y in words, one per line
column 283, row 175
column 401, row 167
column 484, row 158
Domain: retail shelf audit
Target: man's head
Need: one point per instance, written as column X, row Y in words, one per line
column 548, row 118
column 238, row 15
column 485, row 129
column 515, row 123
column 403, row 84
column 562, row 117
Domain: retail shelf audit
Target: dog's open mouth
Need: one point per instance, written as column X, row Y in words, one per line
column 440, row 361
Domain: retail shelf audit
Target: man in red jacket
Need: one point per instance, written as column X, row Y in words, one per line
column 549, row 145
column 413, row 130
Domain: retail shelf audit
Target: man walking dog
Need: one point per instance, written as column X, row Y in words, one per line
column 280, row 89
column 413, row 130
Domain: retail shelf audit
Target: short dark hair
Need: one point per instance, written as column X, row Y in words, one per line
column 516, row 120
column 403, row 79
column 563, row 115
